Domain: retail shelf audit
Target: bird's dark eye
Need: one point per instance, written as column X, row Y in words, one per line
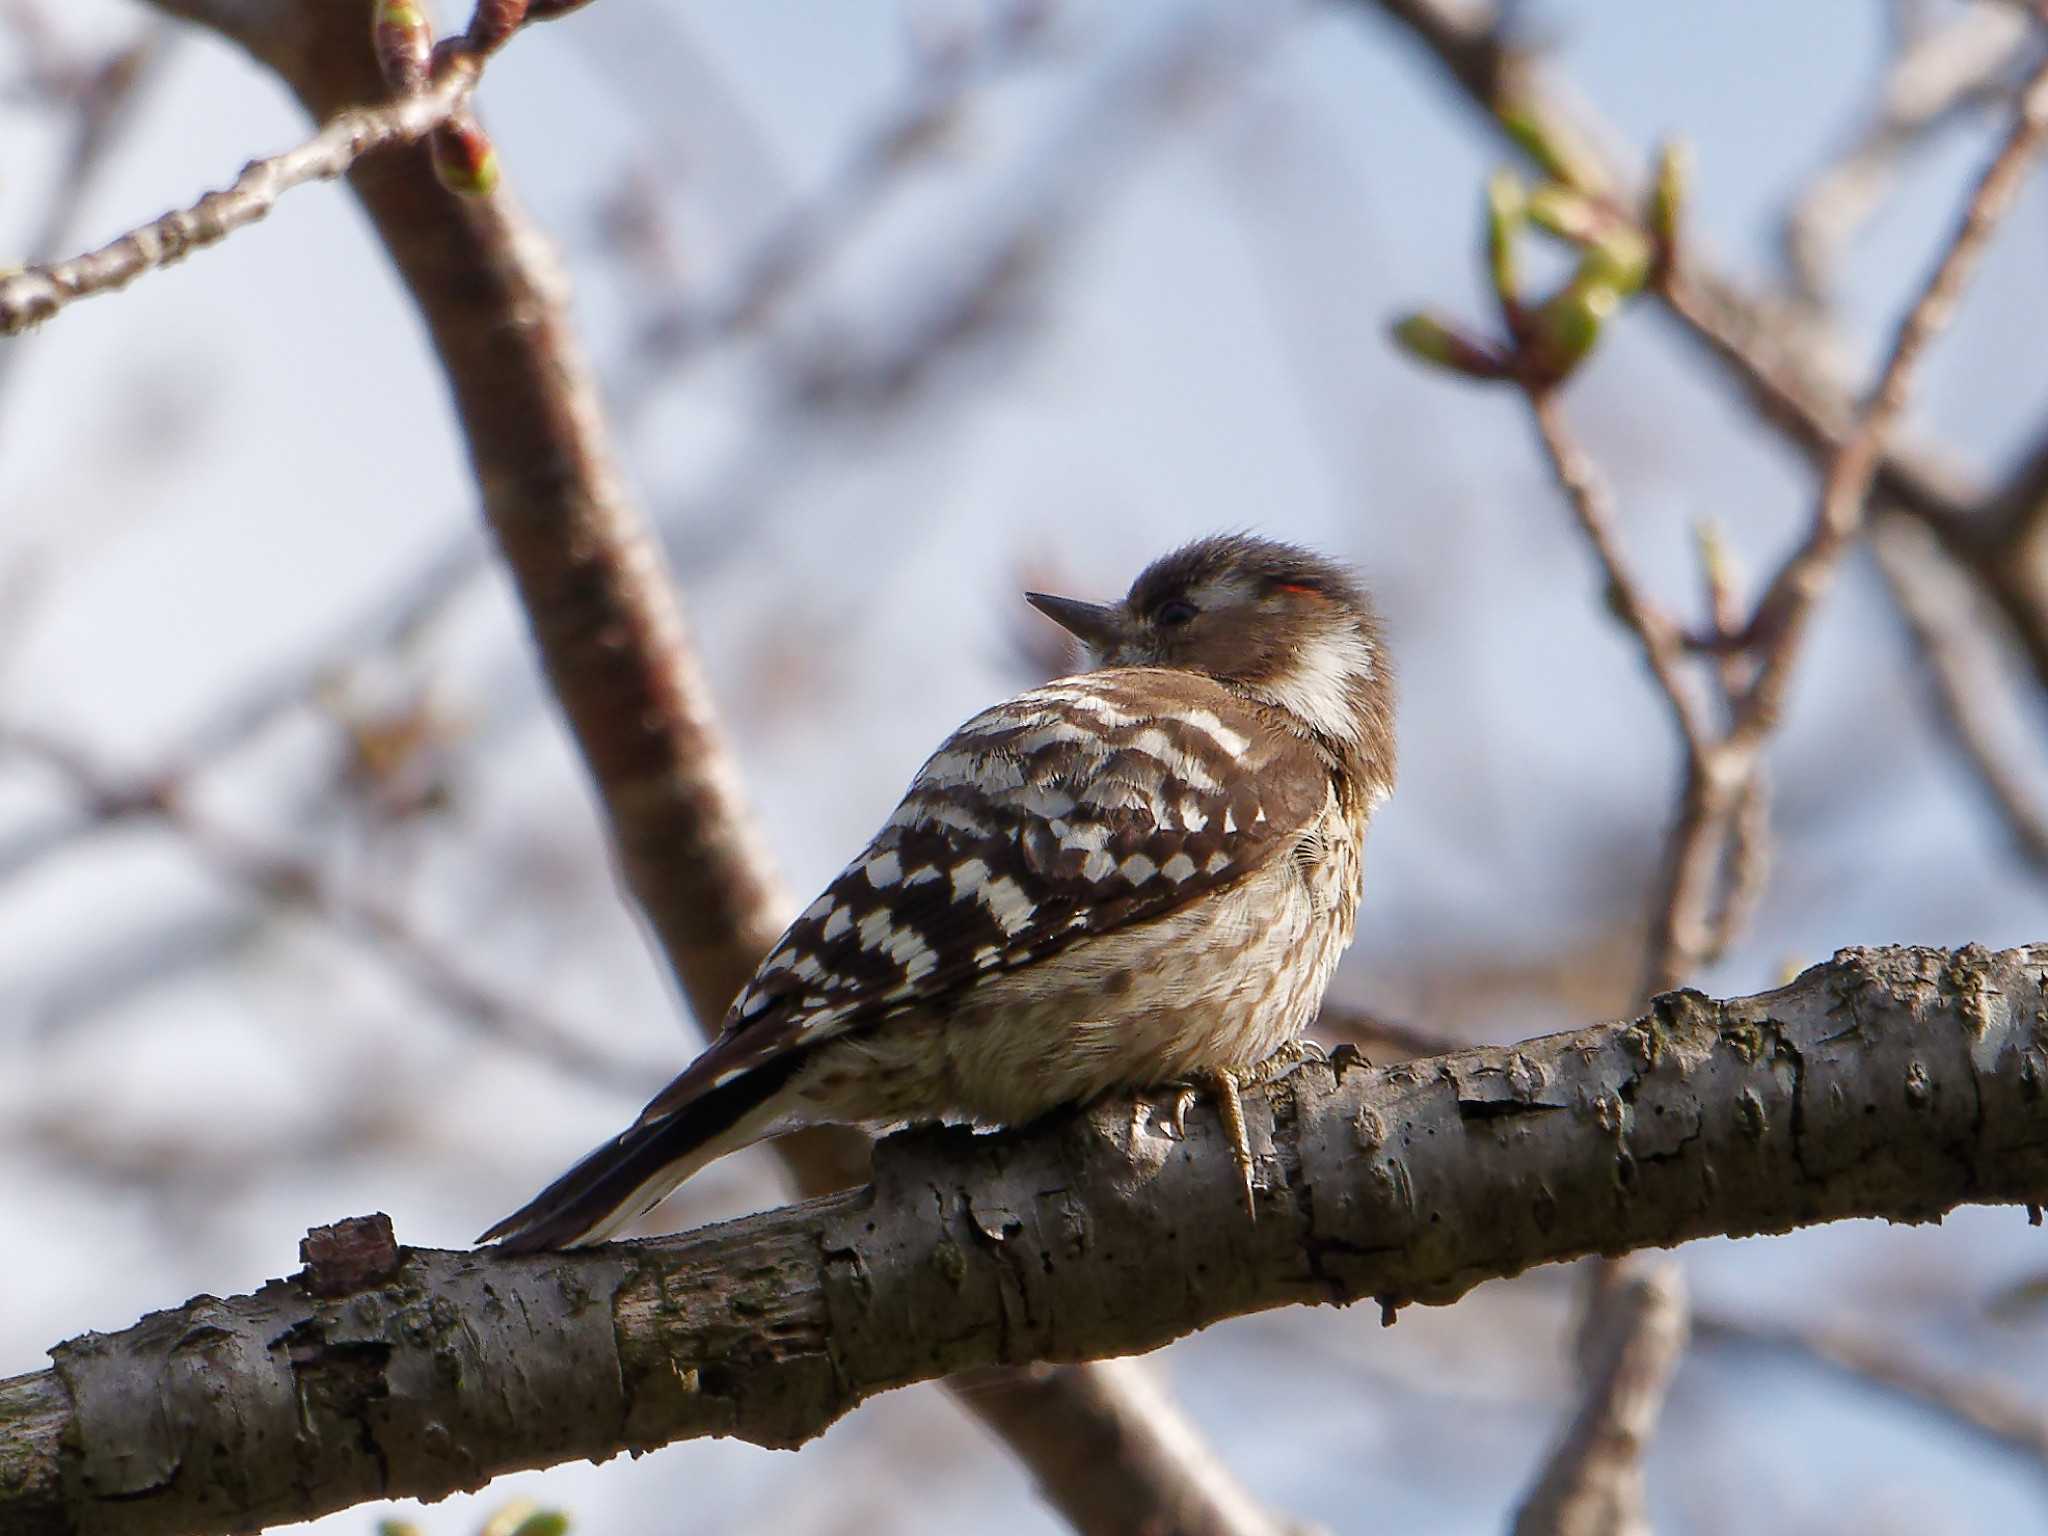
column 1178, row 611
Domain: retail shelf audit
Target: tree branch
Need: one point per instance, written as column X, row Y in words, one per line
column 34, row 294
column 1895, row 1083
column 1593, row 1484
column 1766, row 353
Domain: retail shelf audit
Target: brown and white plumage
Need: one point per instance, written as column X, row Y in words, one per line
column 1129, row 877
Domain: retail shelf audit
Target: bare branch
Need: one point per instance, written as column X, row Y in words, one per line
column 1593, row 1482
column 103, row 100
column 1106, row 1440
column 34, row 294
column 1719, row 827
column 1592, row 503
column 1887, row 1082
column 1965, row 678
column 1933, row 76
column 277, row 876
column 1788, row 603
column 1976, row 1405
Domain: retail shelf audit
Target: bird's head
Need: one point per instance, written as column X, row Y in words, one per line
column 1278, row 623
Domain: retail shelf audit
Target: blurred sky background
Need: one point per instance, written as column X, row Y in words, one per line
column 1205, row 214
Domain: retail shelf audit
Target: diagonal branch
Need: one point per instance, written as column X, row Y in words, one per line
column 1971, row 695
column 1787, row 605
column 1895, row 1083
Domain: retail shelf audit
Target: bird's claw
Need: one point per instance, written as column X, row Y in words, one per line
column 1226, row 1085
column 1176, row 1122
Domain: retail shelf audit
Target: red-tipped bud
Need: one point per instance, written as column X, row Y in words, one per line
column 404, row 43
column 464, row 158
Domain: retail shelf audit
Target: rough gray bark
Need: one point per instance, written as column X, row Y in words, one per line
column 1896, row 1083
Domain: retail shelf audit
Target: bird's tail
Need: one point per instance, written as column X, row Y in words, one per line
column 630, row 1174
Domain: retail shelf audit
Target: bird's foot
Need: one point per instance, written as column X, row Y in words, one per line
column 1226, row 1085
column 1223, row 1086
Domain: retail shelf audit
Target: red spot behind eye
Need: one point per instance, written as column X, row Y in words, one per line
column 1297, row 589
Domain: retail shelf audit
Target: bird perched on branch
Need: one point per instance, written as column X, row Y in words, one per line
column 1138, row 877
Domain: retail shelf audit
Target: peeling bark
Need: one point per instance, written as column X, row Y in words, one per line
column 1896, row 1083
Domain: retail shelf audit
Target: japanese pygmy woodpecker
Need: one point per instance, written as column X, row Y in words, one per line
column 1142, row 875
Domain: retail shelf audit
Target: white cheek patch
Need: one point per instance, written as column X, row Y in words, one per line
column 1317, row 688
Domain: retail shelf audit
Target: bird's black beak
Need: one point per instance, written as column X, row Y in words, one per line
column 1096, row 625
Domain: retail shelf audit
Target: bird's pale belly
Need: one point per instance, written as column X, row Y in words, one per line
column 1219, row 984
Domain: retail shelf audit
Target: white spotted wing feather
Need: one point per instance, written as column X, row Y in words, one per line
column 1091, row 804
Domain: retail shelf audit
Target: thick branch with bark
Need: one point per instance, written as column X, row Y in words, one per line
column 1896, row 1083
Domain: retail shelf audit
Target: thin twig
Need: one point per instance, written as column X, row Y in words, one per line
column 1930, row 78
column 104, row 102
column 1593, row 505
column 811, row 229
column 1788, row 603
column 35, row 293
column 1719, row 811
column 1788, row 368
column 286, row 879
column 1683, row 908
column 1746, row 866
column 1965, row 681
column 1978, row 1406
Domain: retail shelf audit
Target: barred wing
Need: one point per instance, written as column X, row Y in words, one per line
column 1091, row 803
